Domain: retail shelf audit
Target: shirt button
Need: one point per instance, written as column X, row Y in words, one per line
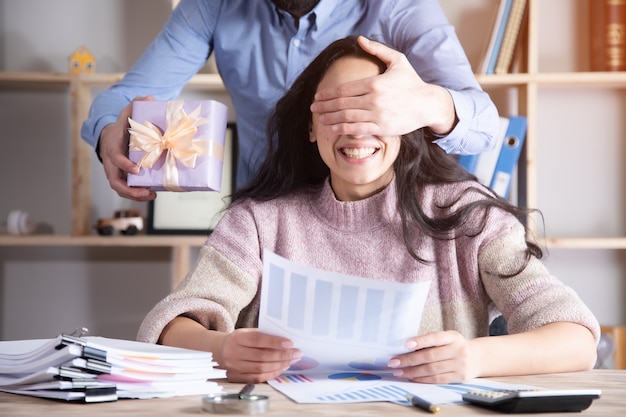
column 296, row 42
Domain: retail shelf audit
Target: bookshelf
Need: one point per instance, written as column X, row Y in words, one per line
column 540, row 76
column 573, row 169
column 79, row 88
column 553, row 75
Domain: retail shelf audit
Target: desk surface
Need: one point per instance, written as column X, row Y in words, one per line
column 611, row 382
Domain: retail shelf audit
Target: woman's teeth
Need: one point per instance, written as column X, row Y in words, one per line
column 358, row 153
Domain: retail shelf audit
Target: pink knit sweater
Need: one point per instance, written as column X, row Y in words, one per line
column 364, row 238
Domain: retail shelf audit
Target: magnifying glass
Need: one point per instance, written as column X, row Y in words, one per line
column 241, row 403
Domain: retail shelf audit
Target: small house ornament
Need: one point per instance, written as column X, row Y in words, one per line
column 82, row 62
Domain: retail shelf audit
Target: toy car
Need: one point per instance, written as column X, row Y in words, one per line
column 126, row 222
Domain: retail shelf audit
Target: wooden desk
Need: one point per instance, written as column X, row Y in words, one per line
column 611, row 382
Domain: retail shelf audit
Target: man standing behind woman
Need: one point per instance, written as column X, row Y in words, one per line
column 388, row 207
column 260, row 48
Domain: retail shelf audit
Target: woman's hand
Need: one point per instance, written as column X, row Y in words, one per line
column 438, row 358
column 251, row 356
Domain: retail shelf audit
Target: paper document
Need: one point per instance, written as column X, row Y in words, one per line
column 339, row 322
column 347, row 327
column 365, row 386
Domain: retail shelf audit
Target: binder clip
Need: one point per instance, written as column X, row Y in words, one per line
column 83, row 331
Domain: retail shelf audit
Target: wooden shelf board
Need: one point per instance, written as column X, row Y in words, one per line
column 557, row 79
column 211, row 82
column 197, row 241
column 99, row 79
column 205, row 82
column 9, row 78
column 214, row 82
column 95, row 240
column 586, row 243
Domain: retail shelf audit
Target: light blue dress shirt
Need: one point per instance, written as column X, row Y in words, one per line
column 260, row 50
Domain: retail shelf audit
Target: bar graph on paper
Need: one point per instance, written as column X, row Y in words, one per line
column 340, row 322
column 348, row 328
column 342, row 387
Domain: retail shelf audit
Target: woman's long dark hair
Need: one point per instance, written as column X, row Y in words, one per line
column 294, row 163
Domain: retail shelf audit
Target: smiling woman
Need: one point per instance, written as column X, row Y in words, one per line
column 360, row 166
column 387, row 208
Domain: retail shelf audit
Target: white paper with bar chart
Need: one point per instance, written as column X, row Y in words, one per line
column 340, row 322
column 347, row 327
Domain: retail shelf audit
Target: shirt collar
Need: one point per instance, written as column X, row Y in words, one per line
column 322, row 11
column 319, row 14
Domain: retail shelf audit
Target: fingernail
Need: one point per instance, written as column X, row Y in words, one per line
column 393, row 363
column 287, row 345
column 296, row 355
column 411, row 344
column 398, row 372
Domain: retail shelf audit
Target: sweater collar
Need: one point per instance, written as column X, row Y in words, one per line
column 356, row 216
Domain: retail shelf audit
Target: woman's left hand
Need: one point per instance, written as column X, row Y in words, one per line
column 438, row 358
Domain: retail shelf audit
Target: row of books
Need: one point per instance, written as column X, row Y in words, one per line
column 96, row 369
column 496, row 167
column 498, row 56
column 607, row 29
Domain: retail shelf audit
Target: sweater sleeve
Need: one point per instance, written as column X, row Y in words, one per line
column 533, row 297
column 213, row 294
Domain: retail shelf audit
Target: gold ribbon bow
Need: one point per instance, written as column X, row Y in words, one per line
column 177, row 140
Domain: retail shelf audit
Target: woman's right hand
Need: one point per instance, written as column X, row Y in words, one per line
column 113, row 148
column 249, row 355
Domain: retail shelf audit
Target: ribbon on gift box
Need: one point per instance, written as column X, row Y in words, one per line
column 178, row 141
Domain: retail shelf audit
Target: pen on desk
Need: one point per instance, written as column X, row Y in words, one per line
column 422, row 403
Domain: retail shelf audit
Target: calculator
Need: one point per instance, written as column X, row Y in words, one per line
column 533, row 400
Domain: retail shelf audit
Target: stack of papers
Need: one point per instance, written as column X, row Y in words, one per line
column 97, row 369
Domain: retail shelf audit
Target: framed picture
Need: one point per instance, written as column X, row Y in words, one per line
column 196, row 212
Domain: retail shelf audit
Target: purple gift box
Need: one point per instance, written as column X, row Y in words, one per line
column 178, row 144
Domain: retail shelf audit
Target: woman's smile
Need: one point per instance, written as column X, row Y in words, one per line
column 358, row 153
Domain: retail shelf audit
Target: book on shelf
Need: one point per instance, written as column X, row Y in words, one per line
column 509, row 156
column 607, row 29
column 496, row 167
column 98, row 369
column 511, row 37
column 483, row 165
column 490, row 55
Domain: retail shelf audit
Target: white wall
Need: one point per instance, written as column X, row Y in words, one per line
column 44, row 291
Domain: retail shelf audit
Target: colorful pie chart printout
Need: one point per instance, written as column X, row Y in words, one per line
column 354, row 376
